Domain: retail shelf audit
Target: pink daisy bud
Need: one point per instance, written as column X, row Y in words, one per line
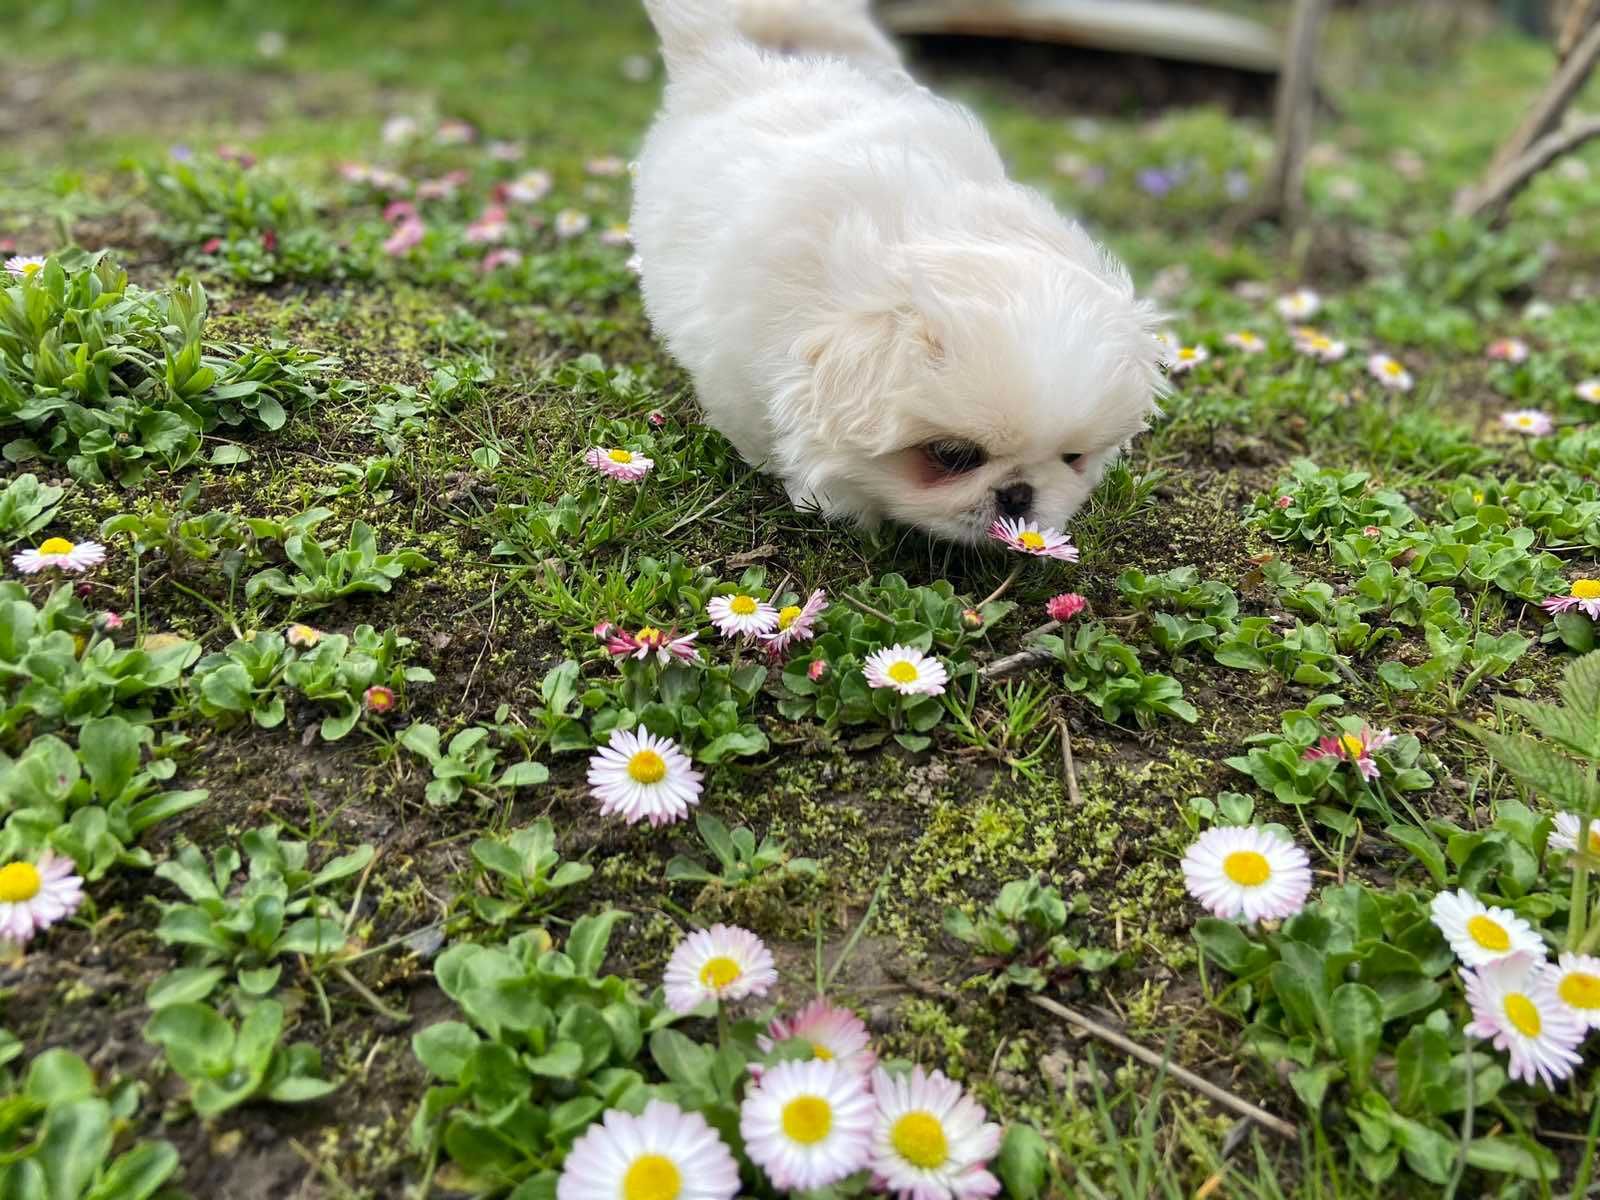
column 1065, row 606
column 817, row 670
column 378, row 699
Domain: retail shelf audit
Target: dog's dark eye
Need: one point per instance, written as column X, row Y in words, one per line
column 1071, row 459
column 955, row 458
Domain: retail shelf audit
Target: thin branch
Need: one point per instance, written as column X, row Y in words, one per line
column 1015, row 664
column 1184, row 1076
column 1497, row 193
column 1296, row 106
column 1066, row 760
column 1542, row 117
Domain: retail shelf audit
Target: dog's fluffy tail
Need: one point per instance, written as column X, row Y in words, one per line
column 691, row 29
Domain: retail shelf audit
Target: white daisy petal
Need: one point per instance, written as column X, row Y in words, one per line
column 808, row 1124
column 721, row 963
column 907, row 670
column 663, row 1153
column 1575, row 979
column 36, row 895
column 1515, row 1006
column 742, row 615
column 1247, row 872
column 640, row 776
column 1565, row 834
column 619, row 464
column 1028, row 538
column 931, row 1141
column 834, row 1035
column 1480, row 934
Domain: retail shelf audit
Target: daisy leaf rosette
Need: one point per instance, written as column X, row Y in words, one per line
column 1324, row 504
column 1107, row 671
column 1279, row 762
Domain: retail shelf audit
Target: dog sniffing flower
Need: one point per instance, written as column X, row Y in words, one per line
column 1353, row 748
column 1390, row 372
column 1589, row 390
column 721, row 964
column 1511, row 350
column 808, row 1124
column 302, row 637
column 1576, row 980
column 1585, row 595
column 1243, row 339
column 931, row 1141
column 570, row 223
column 797, row 622
column 60, row 554
column 1299, row 305
column 619, row 464
column 641, row 777
column 1028, row 538
column 34, row 896
column 1514, row 1005
column 1565, row 835
column 1186, row 358
column 742, row 615
column 1319, row 346
column 834, row 1034
column 25, row 265
column 1243, row 871
column 907, row 670
column 662, row 1154
column 1530, row 421
column 1480, row 934
column 378, row 699
column 1065, row 606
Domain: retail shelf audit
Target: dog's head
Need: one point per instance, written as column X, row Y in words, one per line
column 830, row 28
column 968, row 381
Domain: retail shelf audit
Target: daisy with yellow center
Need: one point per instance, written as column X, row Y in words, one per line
column 742, row 615
column 1299, row 305
column 808, row 1124
column 619, row 464
column 797, row 623
column 1585, row 595
column 1186, row 358
column 1354, row 748
column 931, row 1139
column 1243, row 339
column 1576, row 980
column 25, row 265
column 663, row 1153
column 641, row 777
column 1028, row 538
column 570, row 223
column 36, row 895
column 302, row 637
column 720, row 964
column 1479, row 934
column 60, row 554
column 1249, row 872
column 1568, row 828
column 834, row 1034
column 1529, row 421
column 1319, row 346
column 907, row 670
column 1516, row 1007
column 1589, row 390
column 1389, row 372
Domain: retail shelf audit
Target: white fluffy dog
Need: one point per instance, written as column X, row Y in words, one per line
column 869, row 308
column 829, row 28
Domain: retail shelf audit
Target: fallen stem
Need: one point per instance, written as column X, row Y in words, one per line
column 1005, row 586
column 371, row 997
column 1066, row 757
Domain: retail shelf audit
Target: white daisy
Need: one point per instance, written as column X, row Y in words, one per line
column 1565, row 834
column 808, row 1124
column 1028, row 538
column 1527, row 420
column 33, row 896
column 797, row 622
column 1514, row 1005
column 1479, row 934
column 1589, row 390
column 24, row 265
column 1576, row 980
column 618, row 463
column 1243, row 339
column 1186, row 358
column 302, row 637
column 61, row 554
column 530, row 187
column 907, row 670
column 663, row 1153
column 1245, row 871
column 931, row 1140
column 570, row 223
column 742, row 615
column 1390, row 372
column 834, row 1034
column 1319, row 345
column 722, row 963
column 1511, row 350
column 639, row 776
column 616, row 235
column 1300, row 305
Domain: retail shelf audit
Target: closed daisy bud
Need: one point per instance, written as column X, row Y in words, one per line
column 971, row 619
column 378, row 699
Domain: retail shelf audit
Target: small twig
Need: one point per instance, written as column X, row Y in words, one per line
column 1184, row 1076
column 1502, row 187
column 869, row 610
column 355, row 900
column 1015, row 664
column 1005, row 586
column 1546, row 111
column 1284, row 197
column 371, row 997
column 1066, row 758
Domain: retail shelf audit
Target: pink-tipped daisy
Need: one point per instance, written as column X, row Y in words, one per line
column 407, row 236
column 619, row 464
column 1187, row 358
column 34, row 896
column 570, row 223
column 1514, row 1005
column 59, row 554
column 1243, row 871
column 1028, row 538
column 1390, row 372
column 302, row 637
column 797, row 622
column 641, row 777
column 500, row 151
column 1371, row 531
column 1479, row 934
column 492, row 225
column 502, row 256
column 1585, row 595
column 1353, row 748
column 1065, row 606
column 907, row 670
column 665, row 645
column 663, row 1153
column 453, row 132
column 1576, row 980
column 1320, row 346
column 1299, row 305
column 1283, row 502
column 721, row 964
column 529, row 188
column 378, row 699
column 741, row 615
column 1588, row 390
column 834, row 1034
column 931, row 1141
column 1511, row 350
column 1243, row 339
column 817, row 670
column 1565, row 835
column 808, row 1124
column 1529, row 421
column 25, row 265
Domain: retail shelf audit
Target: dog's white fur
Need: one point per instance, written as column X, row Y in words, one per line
column 827, row 28
column 839, row 260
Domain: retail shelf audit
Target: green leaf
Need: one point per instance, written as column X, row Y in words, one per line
column 1024, row 1162
column 586, row 944
column 77, row 1137
column 185, row 985
column 684, row 1062
column 137, row 1174
column 1525, row 1159
column 1357, row 1016
column 564, row 1061
column 1423, row 848
column 198, row 1042
column 298, row 1089
column 444, row 1048
column 59, row 1077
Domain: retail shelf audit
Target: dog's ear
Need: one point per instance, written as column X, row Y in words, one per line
column 858, row 365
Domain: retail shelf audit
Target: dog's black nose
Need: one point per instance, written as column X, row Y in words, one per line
column 1015, row 500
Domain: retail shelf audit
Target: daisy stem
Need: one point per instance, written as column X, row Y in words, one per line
column 723, row 1031
column 1005, row 586
column 1576, row 924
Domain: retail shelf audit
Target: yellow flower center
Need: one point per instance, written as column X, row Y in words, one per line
column 902, row 672
column 29, row 270
column 818, row 1050
column 1188, row 352
column 646, row 766
column 1352, row 745
column 1522, row 1013
column 789, row 615
column 649, row 633
column 719, row 972
column 1586, row 589
column 1477, row 497
column 1524, row 422
column 807, row 1119
column 56, row 546
column 1393, row 368
column 1032, row 540
column 19, row 882
column 620, row 456
column 652, row 1177
column 1580, row 990
column 1247, row 868
column 919, row 1139
column 1488, row 933
column 1320, row 343
column 305, row 635
column 742, row 606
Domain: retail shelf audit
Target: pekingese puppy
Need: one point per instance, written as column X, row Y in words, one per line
column 869, row 308
column 833, row 28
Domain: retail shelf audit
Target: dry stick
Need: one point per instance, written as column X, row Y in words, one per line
column 1014, row 664
column 1577, row 17
column 1296, row 106
column 1184, row 1076
column 1498, row 192
column 1066, row 758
